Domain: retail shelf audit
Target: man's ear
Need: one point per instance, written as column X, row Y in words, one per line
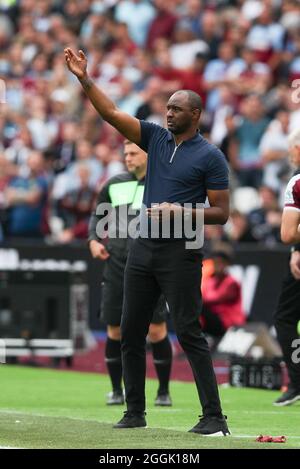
column 196, row 114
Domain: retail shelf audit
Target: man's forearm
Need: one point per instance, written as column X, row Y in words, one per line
column 290, row 234
column 127, row 125
column 211, row 215
column 294, row 238
column 105, row 106
column 215, row 216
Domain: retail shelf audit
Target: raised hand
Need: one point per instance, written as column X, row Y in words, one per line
column 77, row 64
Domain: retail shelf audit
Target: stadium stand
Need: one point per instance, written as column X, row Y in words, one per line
column 241, row 56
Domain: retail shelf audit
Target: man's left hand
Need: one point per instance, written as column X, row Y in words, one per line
column 166, row 209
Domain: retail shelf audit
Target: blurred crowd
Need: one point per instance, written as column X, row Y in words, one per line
column 241, row 56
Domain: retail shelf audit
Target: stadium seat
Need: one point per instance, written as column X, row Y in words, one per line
column 245, row 199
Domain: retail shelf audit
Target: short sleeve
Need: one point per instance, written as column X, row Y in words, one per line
column 217, row 174
column 148, row 131
column 292, row 194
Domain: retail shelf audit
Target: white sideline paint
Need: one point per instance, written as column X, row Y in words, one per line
column 179, row 429
column 262, row 412
column 9, row 447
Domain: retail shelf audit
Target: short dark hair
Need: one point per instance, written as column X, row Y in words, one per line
column 194, row 100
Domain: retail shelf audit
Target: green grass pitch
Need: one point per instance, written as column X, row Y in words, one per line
column 42, row 408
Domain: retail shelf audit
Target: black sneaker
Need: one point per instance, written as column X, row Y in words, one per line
column 163, row 400
column 132, row 420
column 288, row 397
column 211, row 426
column 115, row 398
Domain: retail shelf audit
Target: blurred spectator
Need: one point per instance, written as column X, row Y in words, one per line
column 163, row 24
column 75, row 207
column 122, row 39
column 193, row 15
column 225, row 109
column 192, row 77
column 265, row 221
column 221, row 71
column 222, row 298
column 93, row 27
column 138, row 15
column 266, row 37
column 245, row 155
column 230, row 126
column 254, row 77
column 5, row 176
column 69, row 179
column 20, row 148
column 43, row 131
column 165, row 70
column 128, row 100
column 186, row 46
column 238, row 228
column 26, row 199
column 157, row 109
column 86, row 153
column 153, row 86
column 6, row 30
column 140, row 52
column 110, row 161
column 211, row 32
column 64, row 153
column 74, row 13
column 274, row 151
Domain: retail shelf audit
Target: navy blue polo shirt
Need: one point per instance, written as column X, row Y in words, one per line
column 183, row 176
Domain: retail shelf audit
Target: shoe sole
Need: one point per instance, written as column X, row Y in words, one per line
column 289, row 402
column 115, row 403
column 219, row 433
column 129, row 428
column 162, row 405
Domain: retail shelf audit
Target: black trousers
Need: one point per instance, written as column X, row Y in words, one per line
column 155, row 267
column 112, row 293
column 286, row 319
column 213, row 324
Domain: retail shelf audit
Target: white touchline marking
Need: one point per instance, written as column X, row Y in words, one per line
column 178, row 429
column 266, row 412
column 9, row 447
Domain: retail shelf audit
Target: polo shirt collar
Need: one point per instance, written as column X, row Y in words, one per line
column 192, row 139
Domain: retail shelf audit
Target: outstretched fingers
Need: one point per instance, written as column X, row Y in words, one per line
column 81, row 54
column 69, row 54
column 68, row 51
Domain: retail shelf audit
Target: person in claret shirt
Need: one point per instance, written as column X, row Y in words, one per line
column 163, row 24
column 287, row 312
column 222, row 298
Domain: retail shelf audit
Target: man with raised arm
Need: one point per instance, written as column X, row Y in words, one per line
column 183, row 169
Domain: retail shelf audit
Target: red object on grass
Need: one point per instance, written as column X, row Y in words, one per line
column 270, row 439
